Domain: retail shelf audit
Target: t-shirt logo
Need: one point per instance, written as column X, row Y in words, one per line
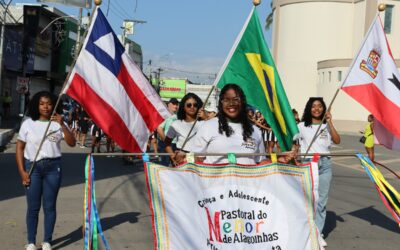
column 250, row 143
column 54, row 136
column 324, row 134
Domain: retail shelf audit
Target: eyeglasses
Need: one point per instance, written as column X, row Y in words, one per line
column 189, row 105
column 233, row 101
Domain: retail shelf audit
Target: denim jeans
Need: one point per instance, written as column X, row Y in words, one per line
column 165, row 159
column 324, row 184
column 45, row 183
column 325, row 178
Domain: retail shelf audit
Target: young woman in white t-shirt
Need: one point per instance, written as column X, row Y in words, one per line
column 231, row 131
column 45, row 180
column 187, row 112
column 312, row 117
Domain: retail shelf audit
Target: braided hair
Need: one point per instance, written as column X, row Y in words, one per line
column 223, row 125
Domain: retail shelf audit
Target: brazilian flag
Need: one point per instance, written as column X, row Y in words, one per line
column 250, row 65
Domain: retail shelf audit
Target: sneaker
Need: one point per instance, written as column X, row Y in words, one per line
column 322, row 242
column 46, row 246
column 30, row 246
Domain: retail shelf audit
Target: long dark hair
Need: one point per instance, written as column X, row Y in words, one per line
column 307, row 117
column 33, row 108
column 242, row 118
column 181, row 110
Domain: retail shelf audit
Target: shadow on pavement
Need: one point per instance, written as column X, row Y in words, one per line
column 73, row 165
column 375, row 217
column 106, row 223
column 330, row 222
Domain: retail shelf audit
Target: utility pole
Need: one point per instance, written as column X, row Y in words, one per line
column 128, row 27
column 78, row 35
column 158, row 79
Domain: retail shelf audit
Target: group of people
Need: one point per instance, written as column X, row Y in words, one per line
column 228, row 129
column 235, row 130
column 81, row 125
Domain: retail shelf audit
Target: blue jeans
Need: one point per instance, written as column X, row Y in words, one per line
column 324, row 184
column 45, row 183
column 325, row 178
column 165, row 159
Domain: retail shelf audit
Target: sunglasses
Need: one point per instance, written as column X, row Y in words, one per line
column 189, row 105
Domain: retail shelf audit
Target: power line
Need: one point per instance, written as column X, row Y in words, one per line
column 120, row 9
column 188, row 72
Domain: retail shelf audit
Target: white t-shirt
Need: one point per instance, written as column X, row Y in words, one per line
column 179, row 129
column 31, row 132
column 209, row 140
column 322, row 143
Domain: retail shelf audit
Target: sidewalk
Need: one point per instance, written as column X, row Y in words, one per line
column 7, row 129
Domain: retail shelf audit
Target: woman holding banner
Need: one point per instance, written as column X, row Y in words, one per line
column 187, row 112
column 313, row 115
column 231, row 131
column 45, row 180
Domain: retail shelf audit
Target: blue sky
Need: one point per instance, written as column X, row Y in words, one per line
column 182, row 35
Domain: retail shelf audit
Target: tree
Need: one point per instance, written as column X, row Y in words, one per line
column 269, row 19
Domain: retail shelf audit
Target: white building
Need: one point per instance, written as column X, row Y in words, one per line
column 314, row 42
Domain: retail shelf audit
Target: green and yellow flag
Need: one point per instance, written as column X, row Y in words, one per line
column 250, row 66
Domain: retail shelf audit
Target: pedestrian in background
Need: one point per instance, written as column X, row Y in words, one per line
column 162, row 130
column 7, row 100
column 44, row 183
column 369, row 137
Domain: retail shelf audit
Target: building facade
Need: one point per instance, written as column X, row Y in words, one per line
column 314, row 43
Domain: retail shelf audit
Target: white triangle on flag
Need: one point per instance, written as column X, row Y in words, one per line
column 106, row 43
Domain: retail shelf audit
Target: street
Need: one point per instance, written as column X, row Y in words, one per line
column 357, row 218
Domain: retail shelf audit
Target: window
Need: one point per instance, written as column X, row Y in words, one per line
column 339, row 76
column 388, row 18
column 323, row 77
column 329, row 76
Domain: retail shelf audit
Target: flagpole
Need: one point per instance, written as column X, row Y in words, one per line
column 347, row 75
column 225, row 154
column 97, row 3
column 255, row 2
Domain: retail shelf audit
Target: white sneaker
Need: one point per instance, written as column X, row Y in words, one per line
column 46, row 246
column 30, row 247
column 322, row 242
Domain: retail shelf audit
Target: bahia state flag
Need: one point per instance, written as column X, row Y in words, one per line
column 250, row 65
column 374, row 82
column 113, row 90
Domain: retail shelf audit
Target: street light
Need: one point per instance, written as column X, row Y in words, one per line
column 58, row 18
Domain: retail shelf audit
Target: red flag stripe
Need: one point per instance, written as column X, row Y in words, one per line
column 103, row 114
column 143, row 83
column 376, row 102
column 149, row 114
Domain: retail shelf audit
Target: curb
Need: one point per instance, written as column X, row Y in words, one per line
column 5, row 137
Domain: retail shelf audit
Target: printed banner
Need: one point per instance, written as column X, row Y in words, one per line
column 268, row 206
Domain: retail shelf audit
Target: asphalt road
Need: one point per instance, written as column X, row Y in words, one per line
column 357, row 219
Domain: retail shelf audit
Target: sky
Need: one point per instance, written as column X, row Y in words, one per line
column 185, row 38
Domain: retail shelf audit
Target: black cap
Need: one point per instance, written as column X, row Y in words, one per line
column 173, row 101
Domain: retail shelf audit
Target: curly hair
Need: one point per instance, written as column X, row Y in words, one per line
column 33, row 108
column 181, row 115
column 307, row 117
column 242, row 117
